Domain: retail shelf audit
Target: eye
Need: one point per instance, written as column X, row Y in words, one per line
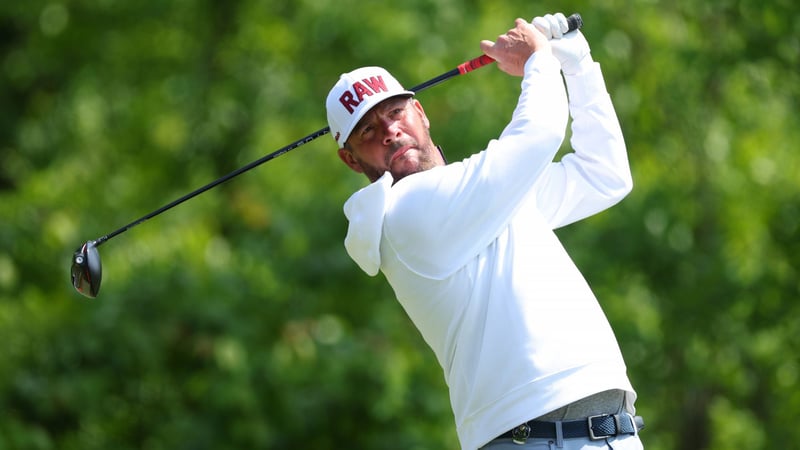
column 365, row 130
column 398, row 112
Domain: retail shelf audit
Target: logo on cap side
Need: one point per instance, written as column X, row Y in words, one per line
column 366, row 87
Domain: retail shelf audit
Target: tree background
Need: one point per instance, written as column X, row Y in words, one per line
column 238, row 321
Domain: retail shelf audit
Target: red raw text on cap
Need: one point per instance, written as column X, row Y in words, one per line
column 366, row 87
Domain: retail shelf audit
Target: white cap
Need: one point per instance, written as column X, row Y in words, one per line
column 355, row 94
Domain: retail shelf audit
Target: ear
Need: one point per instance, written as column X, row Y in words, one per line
column 347, row 157
column 421, row 111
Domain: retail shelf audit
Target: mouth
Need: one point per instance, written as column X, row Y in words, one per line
column 399, row 153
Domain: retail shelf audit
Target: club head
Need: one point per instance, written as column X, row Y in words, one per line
column 87, row 272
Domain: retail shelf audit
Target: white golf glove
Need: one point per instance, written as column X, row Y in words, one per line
column 571, row 49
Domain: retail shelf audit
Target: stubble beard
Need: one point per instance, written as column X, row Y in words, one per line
column 423, row 154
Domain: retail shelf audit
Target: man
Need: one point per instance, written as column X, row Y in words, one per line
column 469, row 248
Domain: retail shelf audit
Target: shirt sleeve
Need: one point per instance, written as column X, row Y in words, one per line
column 439, row 219
column 596, row 175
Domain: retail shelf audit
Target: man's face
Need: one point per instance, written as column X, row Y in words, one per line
column 393, row 136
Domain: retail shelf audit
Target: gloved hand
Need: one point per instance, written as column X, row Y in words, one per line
column 571, row 49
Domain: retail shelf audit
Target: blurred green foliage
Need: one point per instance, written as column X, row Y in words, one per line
column 238, row 321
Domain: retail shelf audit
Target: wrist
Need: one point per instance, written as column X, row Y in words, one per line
column 578, row 67
column 586, row 87
column 542, row 60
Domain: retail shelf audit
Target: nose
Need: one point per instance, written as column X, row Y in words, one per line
column 391, row 131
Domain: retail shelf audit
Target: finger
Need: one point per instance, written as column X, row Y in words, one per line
column 555, row 29
column 487, row 47
column 543, row 25
column 563, row 25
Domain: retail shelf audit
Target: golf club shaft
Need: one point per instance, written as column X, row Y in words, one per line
column 215, row 183
column 461, row 69
column 574, row 22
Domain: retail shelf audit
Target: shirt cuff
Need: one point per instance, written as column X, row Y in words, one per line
column 542, row 61
column 587, row 85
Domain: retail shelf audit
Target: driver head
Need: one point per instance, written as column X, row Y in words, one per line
column 86, row 270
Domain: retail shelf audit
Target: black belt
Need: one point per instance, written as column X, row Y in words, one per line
column 594, row 428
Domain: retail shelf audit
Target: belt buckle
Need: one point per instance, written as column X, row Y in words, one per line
column 593, row 436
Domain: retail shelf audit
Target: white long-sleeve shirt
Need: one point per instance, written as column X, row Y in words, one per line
column 470, row 252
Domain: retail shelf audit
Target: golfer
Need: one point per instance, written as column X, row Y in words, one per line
column 468, row 247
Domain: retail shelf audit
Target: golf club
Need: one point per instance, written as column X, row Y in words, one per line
column 86, row 269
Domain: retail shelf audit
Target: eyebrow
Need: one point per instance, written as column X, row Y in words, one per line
column 388, row 105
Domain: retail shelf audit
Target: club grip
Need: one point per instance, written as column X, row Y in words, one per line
column 574, row 22
column 475, row 63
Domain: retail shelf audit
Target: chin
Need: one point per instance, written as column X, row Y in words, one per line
column 404, row 167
